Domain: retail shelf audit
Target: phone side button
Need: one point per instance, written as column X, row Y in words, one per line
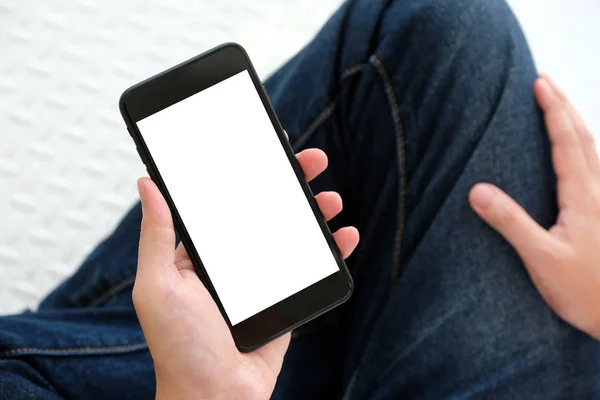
column 141, row 157
column 143, row 160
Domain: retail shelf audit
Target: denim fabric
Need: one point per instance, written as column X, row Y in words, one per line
column 414, row 101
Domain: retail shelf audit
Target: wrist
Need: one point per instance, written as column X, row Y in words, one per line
column 242, row 388
column 178, row 394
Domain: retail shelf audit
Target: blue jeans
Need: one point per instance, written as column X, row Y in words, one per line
column 414, row 101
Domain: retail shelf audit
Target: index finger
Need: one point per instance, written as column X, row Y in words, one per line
column 584, row 134
column 313, row 162
column 568, row 154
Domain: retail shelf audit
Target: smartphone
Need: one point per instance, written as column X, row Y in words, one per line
column 211, row 141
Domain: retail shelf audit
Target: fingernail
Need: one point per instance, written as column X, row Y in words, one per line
column 482, row 194
column 545, row 83
column 141, row 188
column 550, row 82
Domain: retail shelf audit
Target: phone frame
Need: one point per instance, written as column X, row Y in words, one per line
column 184, row 80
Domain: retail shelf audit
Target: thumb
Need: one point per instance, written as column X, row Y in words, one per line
column 157, row 237
column 507, row 217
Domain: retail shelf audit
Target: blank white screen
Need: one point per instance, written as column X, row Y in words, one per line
column 238, row 196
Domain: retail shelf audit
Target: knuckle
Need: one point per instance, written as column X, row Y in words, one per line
column 555, row 256
column 142, row 292
column 550, row 253
column 569, row 137
column 136, row 296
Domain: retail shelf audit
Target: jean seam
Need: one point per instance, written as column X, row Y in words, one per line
column 321, row 117
column 399, row 128
column 74, row 350
column 327, row 111
column 312, row 127
column 111, row 291
column 352, row 70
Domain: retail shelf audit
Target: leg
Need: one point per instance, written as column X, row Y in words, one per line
column 419, row 100
column 108, row 273
column 392, row 118
column 85, row 341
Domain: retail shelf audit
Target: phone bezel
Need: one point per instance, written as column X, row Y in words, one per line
column 184, row 80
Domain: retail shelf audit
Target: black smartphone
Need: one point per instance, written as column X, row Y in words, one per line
column 211, row 141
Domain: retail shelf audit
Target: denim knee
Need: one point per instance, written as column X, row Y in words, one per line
column 450, row 64
column 465, row 33
column 482, row 24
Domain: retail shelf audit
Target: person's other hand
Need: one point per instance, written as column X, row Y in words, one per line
column 564, row 262
column 193, row 351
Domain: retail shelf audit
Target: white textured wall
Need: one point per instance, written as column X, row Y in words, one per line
column 565, row 38
column 67, row 166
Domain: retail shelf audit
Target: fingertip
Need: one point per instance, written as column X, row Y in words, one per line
column 154, row 207
column 543, row 91
column 336, row 200
column 347, row 239
column 313, row 162
column 330, row 204
column 339, row 200
column 351, row 230
column 354, row 237
column 157, row 237
column 541, row 83
column 354, row 232
column 554, row 89
column 323, row 157
column 481, row 195
column 544, row 76
column 142, row 188
column 550, row 82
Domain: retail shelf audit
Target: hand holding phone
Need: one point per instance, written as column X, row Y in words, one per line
column 212, row 143
column 193, row 351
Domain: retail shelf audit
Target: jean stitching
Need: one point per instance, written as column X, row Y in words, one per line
column 73, row 350
column 352, row 70
column 113, row 290
column 327, row 111
column 322, row 117
column 389, row 90
column 319, row 119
